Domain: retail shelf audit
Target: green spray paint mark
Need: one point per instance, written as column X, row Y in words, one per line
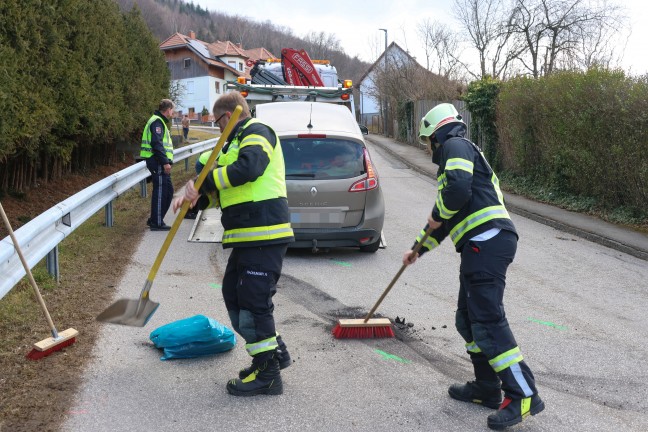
column 215, row 285
column 388, row 356
column 548, row 324
column 342, row 263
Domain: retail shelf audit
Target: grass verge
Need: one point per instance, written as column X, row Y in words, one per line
column 38, row 395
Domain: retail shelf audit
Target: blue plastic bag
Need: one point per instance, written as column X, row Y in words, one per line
column 193, row 337
column 197, row 349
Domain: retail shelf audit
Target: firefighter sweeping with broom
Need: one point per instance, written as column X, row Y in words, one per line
column 250, row 181
column 470, row 209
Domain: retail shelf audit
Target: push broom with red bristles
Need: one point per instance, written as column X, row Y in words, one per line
column 58, row 340
column 368, row 327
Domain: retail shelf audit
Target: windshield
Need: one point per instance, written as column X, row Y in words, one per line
column 322, row 158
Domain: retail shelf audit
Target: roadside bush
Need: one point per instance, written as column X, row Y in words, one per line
column 78, row 78
column 585, row 133
column 481, row 99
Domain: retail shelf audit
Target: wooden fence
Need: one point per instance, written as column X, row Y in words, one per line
column 421, row 108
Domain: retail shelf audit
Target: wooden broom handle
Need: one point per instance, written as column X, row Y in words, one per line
column 417, row 247
column 29, row 273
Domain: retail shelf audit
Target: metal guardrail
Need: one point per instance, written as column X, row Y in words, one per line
column 39, row 238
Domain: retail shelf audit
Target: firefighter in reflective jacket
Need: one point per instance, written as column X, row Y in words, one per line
column 469, row 208
column 250, row 181
column 157, row 149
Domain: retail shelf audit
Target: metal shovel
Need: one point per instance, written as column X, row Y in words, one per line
column 137, row 313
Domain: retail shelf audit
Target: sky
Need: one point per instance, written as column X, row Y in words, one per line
column 356, row 24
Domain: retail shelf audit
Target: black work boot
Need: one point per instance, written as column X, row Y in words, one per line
column 484, row 393
column 282, row 356
column 513, row 411
column 264, row 379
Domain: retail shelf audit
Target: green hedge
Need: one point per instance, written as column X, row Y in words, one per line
column 79, row 79
column 481, row 100
column 584, row 133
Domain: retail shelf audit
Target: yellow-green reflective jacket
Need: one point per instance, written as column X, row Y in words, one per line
column 254, row 212
column 146, row 150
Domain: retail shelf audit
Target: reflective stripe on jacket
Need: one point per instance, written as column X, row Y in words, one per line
column 255, row 212
column 469, row 200
column 146, row 150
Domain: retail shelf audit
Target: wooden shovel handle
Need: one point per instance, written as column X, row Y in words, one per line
column 185, row 206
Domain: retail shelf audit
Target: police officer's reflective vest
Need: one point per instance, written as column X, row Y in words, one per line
column 146, row 150
column 270, row 185
column 204, row 157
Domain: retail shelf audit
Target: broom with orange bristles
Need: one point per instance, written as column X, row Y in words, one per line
column 368, row 327
column 58, row 340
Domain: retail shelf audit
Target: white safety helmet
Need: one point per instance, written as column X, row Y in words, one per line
column 437, row 117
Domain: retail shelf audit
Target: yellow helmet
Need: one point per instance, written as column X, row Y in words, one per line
column 438, row 116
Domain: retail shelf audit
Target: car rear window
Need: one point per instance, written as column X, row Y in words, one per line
column 322, row 158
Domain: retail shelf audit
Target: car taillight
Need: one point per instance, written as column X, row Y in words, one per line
column 368, row 183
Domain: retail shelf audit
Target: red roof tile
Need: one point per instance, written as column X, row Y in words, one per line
column 174, row 40
column 218, row 49
column 258, row 53
column 223, row 48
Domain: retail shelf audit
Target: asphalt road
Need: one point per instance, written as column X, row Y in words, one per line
column 575, row 306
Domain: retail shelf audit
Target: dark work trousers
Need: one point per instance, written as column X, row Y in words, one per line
column 480, row 312
column 162, row 191
column 249, row 283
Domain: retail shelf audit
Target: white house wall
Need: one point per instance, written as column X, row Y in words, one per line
column 368, row 104
column 199, row 92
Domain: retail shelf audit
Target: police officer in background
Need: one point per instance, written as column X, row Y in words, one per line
column 157, row 149
column 470, row 209
column 249, row 178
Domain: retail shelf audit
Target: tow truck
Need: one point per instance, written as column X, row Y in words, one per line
column 293, row 77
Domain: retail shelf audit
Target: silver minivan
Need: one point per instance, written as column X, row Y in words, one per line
column 333, row 188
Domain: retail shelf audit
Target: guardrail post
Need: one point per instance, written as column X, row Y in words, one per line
column 108, row 209
column 52, row 262
column 143, row 191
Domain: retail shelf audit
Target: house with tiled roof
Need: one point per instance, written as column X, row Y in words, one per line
column 372, row 108
column 258, row 54
column 201, row 69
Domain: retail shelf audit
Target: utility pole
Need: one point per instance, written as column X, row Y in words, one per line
column 385, row 109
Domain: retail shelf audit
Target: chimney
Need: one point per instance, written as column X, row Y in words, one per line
column 192, row 34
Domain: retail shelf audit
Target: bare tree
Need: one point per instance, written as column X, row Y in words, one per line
column 441, row 46
column 527, row 25
column 538, row 36
column 565, row 33
column 487, row 24
column 402, row 79
column 321, row 45
column 597, row 45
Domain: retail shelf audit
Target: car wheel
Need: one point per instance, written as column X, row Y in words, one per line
column 371, row 248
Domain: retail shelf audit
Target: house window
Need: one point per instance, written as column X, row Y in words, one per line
column 232, row 63
column 240, row 66
column 187, row 62
column 217, row 86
